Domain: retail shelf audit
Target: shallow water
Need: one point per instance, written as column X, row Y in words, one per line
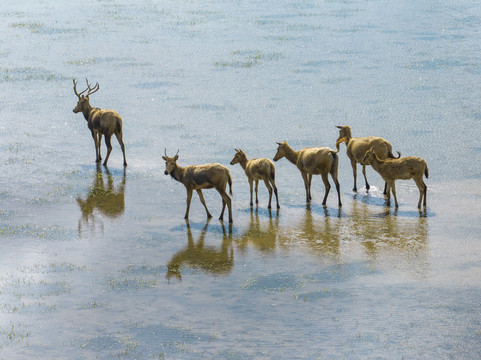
column 99, row 262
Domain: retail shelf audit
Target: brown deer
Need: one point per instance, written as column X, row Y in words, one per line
column 198, row 177
column 311, row 161
column 258, row 169
column 100, row 121
column 356, row 147
column 410, row 167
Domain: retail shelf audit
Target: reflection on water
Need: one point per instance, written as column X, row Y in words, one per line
column 321, row 235
column 262, row 237
column 104, row 198
column 211, row 259
column 400, row 237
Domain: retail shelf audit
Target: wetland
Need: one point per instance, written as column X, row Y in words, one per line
column 98, row 262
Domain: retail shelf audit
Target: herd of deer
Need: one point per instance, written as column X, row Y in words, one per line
column 374, row 151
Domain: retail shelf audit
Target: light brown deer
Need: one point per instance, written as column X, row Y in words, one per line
column 258, row 169
column 357, row 147
column 411, row 167
column 198, row 177
column 313, row 161
column 100, row 122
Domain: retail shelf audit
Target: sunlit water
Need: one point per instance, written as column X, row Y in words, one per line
column 100, row 263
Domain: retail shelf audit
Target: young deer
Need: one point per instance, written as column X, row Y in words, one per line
column 100, row 122
column 258, row 169
column 198, row 177
column 411, row 167
column 357, row 147
column 312, row 161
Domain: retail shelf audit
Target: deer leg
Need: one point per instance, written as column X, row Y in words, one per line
column 325, row 180
column 201, row 197
column 257, row 190
column 310, row 182
column 354, row 173
column 269, row 188
column 225, row 200
column 273, row 183
column 189, row 198
column 306, row 185
column 422, row 191
column 338, row 188
column 96, row 142
column 251, row 185
column 109, row 148
column 393, row 189
column 118, row 135
column 365, row 178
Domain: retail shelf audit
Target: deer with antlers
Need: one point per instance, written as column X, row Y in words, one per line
column 100, row 121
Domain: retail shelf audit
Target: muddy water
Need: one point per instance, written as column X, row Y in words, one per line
column 98, row 262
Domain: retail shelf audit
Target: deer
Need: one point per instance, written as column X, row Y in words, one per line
column 313, row 161
column 255, row 170
column 198, row 177
column 356, row 147
column 100, row 121
column 410, row 167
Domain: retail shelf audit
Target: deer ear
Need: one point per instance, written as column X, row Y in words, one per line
column 165, row 158
column 339, row 127
column 176, row 157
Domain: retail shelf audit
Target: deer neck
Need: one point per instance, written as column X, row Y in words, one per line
column 178, row 173
column 243, row 162
column 291, row 155
column 87, row 109
column 376, row 163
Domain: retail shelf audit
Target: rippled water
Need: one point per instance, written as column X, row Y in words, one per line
column 98, row 262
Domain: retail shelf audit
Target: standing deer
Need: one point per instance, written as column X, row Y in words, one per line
column 198, row 177
column 311, row 161
column 258, row 169
column 410, row 167
column 356, row 147
column 100, row 121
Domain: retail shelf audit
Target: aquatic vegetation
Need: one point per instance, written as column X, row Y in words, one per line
column 29, row 74
column 247, row 59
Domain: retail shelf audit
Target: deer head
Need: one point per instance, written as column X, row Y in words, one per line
column 83, row 100
column 170, row 162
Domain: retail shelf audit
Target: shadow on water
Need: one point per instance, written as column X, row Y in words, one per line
column 210, row 259
column 102, row 198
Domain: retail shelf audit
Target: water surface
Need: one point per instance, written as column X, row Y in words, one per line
column 99, row 262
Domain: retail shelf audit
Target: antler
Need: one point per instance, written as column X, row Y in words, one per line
column 165, row 152
column 92, row 90
column 75, row 89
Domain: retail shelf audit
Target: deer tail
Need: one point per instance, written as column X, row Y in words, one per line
column 229, row 181
column 426, row 172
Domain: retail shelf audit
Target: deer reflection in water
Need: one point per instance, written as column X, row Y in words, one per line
column 401, row 239
column 103, row 198
column 321, row 235
column 210, row 259
column 263, row 238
